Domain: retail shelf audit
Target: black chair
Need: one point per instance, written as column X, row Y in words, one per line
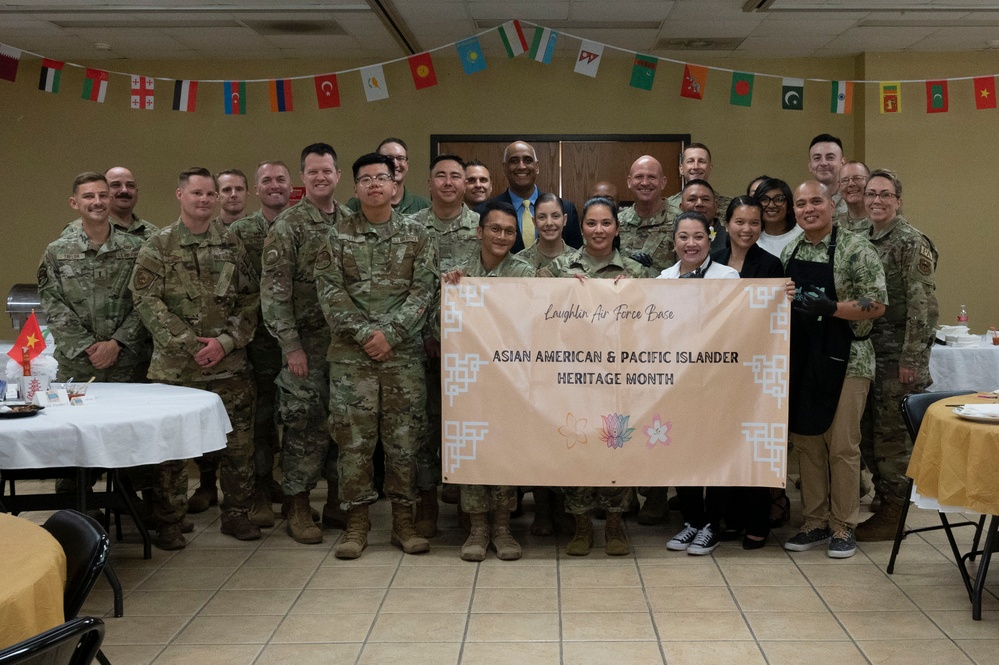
column 75, row 642
column 913, row 409
column 86, row 545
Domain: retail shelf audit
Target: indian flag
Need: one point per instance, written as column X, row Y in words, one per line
column 543, row 45
column 513, row 38
column 48, row 81
column 842, row 97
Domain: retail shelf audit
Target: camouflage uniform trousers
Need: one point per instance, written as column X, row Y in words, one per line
column 428, row 459
column 264, row 355
column 80, row 369
column 308, row 452
column 485, row 498
column 368, row 400
column 579, row 500
column 236, row 475
column 885, row 444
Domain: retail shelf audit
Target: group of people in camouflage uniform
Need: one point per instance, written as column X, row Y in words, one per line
column 323, row 317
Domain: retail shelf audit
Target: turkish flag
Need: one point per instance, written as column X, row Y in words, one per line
column 31, row 337
column 327, row 91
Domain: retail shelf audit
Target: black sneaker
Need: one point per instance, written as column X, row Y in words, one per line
column 843, row 545
column 682, row 540
column 704, row 542
column 806, row 540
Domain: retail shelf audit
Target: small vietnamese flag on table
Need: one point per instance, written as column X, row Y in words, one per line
column 31, row 337
column 422, row 68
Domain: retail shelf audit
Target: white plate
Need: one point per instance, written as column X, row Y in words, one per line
column 978, row 419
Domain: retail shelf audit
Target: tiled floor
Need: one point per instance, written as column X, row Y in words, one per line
column 275, row 601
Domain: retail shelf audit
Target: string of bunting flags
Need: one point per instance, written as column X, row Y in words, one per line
column 518, row 38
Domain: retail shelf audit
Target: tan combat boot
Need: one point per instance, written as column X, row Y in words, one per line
column 205, row 496
column 582, row 540
column 300, row 524
column 474, row 548
column 261, row 513
column 542, row 524
column 883, row 525
column 403, row 534
column 617, row 540
column 286, row 505
column 426, row 513
column 507, row 548
column 334, row 516
column 355, row 539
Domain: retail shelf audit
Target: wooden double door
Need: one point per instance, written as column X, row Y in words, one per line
column 570, row 165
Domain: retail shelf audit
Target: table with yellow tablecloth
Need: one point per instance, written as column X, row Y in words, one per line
column 956, row 461
column 32, row 580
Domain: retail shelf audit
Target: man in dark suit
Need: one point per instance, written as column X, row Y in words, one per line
column 520, row 162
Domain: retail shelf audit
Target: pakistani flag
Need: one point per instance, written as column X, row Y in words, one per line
column 792, row 94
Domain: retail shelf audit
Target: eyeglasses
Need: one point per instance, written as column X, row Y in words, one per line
column 399, row 158
column 497, row 230
column 859, row 179
column 366, row 180
column 884, row 196
column 779, row 200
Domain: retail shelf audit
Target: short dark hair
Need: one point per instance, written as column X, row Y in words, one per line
column 373, row 158
column 318, row 149
column 269, row 162
column 599, row 201
column 738, row 202
column 199, row 171
column 759, row 178
column 698, row 181
column 446, row 158
column 548, row 197
column 691, row 214
column 236, row 172
column 700, row 146
column 393, row 139
column 496, row 206
column 826, row 138
column 87, row 176
column 785, row 189
column 475, row 162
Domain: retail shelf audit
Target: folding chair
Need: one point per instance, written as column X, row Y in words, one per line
column 913, row 409
column 75, row 642
column 86, row 545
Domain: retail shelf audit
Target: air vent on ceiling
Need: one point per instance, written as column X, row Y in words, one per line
column 698, row 44
column 296, row 27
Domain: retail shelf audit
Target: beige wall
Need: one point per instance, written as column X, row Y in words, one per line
column 48, row 139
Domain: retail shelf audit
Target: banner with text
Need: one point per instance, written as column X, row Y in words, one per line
column 559, row 382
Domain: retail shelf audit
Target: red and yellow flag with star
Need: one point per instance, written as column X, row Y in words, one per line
column 422, row 68
column 31, row 337
column 985, row 92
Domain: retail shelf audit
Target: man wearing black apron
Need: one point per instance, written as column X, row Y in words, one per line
column 837, row 283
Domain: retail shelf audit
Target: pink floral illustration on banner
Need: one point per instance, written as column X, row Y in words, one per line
column 615, row 430
column 657, row 432
column 573, row 430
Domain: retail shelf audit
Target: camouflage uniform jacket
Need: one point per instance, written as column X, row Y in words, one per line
column 458, row 239
column 374, row 277
column 139, row 228
column 650, row 235
column 534, row 256
column 861, row 226
column 857, row 273
column 287, row 283
column 252, row 230
column 581, row 263
column 188, row 286
column 511, row 266
column 408, row 205
column 84, row 292
column 905, row 332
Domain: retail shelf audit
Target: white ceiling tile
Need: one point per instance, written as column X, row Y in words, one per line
column 528, row 11
column 634, row 10
column 721, row 29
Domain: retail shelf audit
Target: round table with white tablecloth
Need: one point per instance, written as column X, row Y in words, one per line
column 965, row 367
column 127, row 424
